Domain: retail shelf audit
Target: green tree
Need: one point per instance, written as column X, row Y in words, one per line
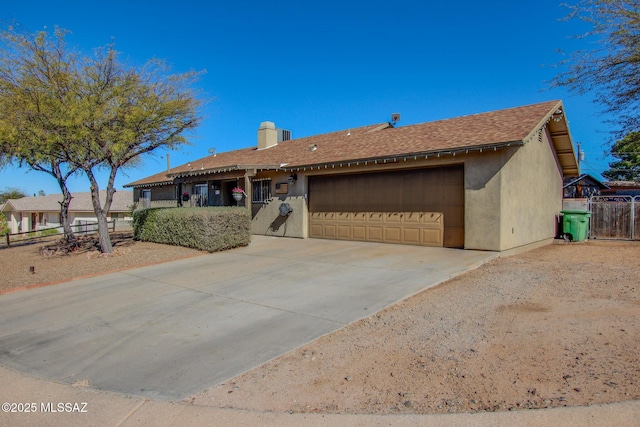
column 627, row 153
column 4, row 227
column 611, row 70
column 96, row 113
column 36, row 96
column 128, row 113
column 11, row 193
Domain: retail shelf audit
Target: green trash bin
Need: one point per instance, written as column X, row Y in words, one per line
column 575, row 225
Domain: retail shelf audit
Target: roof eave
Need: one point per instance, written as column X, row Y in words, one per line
column 222, row 169
column 392, row 158
column 560, row 138
column 148, row 184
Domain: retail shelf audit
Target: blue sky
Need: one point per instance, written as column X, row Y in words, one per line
column 321, row 66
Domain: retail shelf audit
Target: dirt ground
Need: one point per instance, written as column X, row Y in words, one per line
column 555, row 326
column 51, row 265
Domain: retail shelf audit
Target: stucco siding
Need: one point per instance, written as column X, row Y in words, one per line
column 266, row 216
column 531, row 196
column 268, row 221
column 482, row 200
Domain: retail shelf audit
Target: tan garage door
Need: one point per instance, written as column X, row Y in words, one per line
column 412, row 228
column 415, row 206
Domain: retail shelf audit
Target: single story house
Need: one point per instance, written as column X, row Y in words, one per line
column 490, row 181
column 41, row 212
column 622, row 188
column 578, row 190
column 582, row 187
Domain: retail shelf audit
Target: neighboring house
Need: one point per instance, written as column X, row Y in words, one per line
column 40, row 212
column 490, row 181
column 622, row 188
column 578, row 190
column 583, row 187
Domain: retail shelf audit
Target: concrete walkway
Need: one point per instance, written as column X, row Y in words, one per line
column 127, row 343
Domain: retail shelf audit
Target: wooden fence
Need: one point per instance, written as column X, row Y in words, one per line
column 82, row 227
column 615, row 217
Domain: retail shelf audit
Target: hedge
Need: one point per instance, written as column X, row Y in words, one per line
column 209, row 229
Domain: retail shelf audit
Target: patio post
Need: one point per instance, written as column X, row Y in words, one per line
column 248, row 189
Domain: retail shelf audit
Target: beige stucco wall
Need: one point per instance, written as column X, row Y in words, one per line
column 512, row 197
column 531, row 195
column 482, row 199
column 266, row 217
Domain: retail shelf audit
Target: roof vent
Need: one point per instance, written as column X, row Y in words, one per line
column 384, row 125
column 283, row 135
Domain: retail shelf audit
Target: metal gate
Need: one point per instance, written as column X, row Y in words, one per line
column 615, row 217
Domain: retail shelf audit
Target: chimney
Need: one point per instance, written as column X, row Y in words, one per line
column 267, row 135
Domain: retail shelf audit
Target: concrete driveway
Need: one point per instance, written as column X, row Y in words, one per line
column 170, row 330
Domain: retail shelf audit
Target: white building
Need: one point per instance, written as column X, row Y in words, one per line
column 41, row 212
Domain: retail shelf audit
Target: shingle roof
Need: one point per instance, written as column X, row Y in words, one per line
column 568, row 181
column 81, row 202
column 380, row 140
column 622, row 183
column 160, row 178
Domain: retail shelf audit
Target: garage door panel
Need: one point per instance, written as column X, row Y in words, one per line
column 359, row 217
column 411, row 236
column 412, row 218
column 375, row 217
column 393, row 218
column 393, row 234
column 375, row 233
column 359, row 232
column 343, row 232
column 316, row 230
column 330, row 231
column 413, row 228
column 431, row 218
column 344, row 216
column 330, row 216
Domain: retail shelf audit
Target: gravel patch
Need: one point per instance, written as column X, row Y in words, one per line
column 556, row 326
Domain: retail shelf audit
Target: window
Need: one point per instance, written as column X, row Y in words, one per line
column 145, row 199
column 201, row 193
column 261, row 190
